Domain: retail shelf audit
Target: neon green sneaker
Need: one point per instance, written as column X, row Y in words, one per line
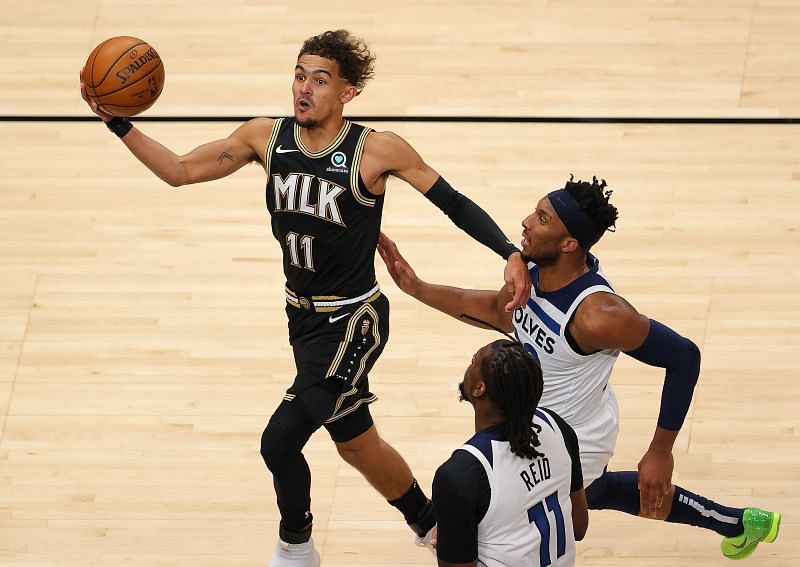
column 759, row 525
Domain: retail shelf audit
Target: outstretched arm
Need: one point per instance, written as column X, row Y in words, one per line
column 205, row 163
column 486, row 305
column 606, row 321
column 400, row 159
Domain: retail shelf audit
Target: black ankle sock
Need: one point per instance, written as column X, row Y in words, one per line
column 426, row 519
column 290, row 535
column 413, row 505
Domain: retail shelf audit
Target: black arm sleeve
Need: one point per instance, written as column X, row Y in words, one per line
column 460, row 495
column 470, row 218
column 571, row 441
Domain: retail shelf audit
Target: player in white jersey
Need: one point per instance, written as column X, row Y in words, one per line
column 512, row 495
column 575, row 325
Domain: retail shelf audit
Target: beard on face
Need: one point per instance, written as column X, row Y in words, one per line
column 307, row 123
column 544, row 258
column 462, row 395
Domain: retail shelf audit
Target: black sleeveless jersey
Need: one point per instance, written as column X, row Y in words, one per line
column 325, row 220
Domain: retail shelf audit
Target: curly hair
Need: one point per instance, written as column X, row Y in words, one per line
column 593, row 201
column 356, row 63
column 514, row 383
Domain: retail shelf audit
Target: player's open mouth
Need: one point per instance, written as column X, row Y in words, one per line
column 303, row 105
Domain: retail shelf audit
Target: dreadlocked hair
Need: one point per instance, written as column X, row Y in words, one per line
column 593, row 201
column 356, row 63
column 514, row 383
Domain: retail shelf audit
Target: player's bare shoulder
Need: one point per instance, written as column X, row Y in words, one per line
column 605, row 320
column 255, row 133
column 387, row 151
column 601, row 310
column 376, row 159
column 383, row 142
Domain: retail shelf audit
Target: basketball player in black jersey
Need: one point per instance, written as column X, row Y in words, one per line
column 326, row 179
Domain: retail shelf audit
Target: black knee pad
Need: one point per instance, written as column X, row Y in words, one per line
column 286, row 434
column 275, row 445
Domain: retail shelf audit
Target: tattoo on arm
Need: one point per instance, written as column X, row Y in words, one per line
column 223, row 156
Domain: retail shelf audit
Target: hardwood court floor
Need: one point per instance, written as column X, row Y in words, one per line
column 143, row 343
column 142, row 333
column 509, row 57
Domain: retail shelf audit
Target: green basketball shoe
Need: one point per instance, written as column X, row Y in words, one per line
column 759, row 525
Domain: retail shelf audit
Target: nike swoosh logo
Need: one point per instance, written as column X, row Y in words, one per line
column 333, row 319
column 741, row 545
column 280, row 150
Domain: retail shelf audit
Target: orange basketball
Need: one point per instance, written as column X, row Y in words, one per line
column 124, row 76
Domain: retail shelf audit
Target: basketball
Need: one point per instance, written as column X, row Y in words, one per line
column 124, row 76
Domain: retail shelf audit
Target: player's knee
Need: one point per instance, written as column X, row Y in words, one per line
column 351, row 455
column 596, row 492
column 275, row 445
column 614, row 491
column 602, row 492
column 360, row 449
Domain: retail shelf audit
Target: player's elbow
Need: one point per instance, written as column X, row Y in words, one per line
column 580, row 514
column 179, row 173
column 579, row 534
column 175, row 177
column 691, row 356
column 580, row 529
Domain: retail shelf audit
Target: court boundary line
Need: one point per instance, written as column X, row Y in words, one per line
column 451, row 119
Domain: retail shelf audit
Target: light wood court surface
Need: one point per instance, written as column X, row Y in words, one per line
column 142, row 333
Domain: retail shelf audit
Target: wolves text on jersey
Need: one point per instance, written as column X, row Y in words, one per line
column 289, row 199
column 534, row 330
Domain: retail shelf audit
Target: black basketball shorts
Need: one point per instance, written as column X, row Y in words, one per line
column 334, row 352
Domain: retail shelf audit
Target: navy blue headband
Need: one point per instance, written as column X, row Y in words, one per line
column 578, row 224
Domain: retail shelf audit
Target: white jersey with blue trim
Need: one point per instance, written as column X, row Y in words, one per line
column 576, row 386
column 529, row 519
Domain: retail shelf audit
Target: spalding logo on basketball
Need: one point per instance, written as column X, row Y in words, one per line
column 124, row 76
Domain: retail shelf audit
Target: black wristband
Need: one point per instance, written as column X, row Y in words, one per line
column 119, row 125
